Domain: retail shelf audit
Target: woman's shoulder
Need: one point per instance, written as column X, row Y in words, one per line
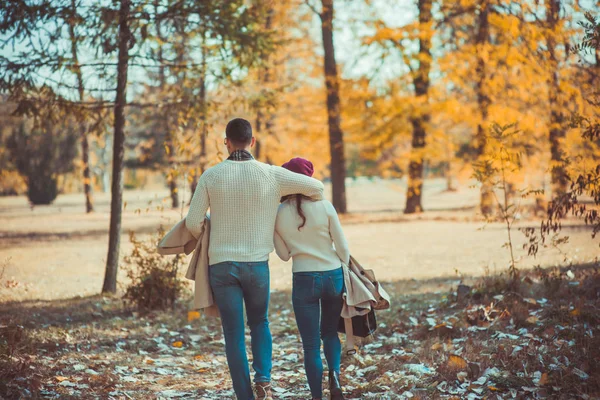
column 326, row 204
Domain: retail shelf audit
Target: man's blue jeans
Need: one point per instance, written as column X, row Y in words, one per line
column 317, row 299
column 233, row 284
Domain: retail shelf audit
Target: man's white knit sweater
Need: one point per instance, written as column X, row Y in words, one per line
column 243, row 197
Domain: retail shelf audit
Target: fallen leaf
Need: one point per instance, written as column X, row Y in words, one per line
column 575, row 312
column 192, row 315
column 177, row 344
column 61, row 378
column 580, row 373
column 456, row 362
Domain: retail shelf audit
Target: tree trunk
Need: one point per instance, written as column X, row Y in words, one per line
column 421, row 119
column 264, row 136
column 483, row 100
column 203, row 125
column 557, row 118
column 203, row 106
column 336, row 136
column 85, row 146
column 116, row 203
column 164, row 123
column 172, row 170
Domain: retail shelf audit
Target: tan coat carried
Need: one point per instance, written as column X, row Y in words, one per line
column 180, row 240
column 363, row 294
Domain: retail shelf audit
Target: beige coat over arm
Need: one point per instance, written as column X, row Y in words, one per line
column 180, row 240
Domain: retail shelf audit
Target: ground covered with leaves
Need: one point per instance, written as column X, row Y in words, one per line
column 483, row 339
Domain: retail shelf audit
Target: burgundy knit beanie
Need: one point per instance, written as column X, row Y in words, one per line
column 300, row 166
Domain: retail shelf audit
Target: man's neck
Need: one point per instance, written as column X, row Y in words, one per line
column 240, row 149
column 240, row 155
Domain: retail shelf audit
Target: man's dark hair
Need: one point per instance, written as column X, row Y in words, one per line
column 239, row 131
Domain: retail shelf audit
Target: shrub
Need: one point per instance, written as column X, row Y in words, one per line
column 41, row 153
column 42, row 189
column 155, row 282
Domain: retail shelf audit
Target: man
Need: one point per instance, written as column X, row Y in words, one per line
column 243, row 196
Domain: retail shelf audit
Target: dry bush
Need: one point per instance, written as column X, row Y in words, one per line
column 155, row 281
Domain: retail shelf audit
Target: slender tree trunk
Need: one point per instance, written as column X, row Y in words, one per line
column 116, row 203
column 203, row 106
column 483, row 100
column 336, row 136
column 421, row 119
column 264, row 136
column 258, row 146
column 85, row 145
column 448, row 170
column 172, row 170
column 557, row 118
column 164, row 123
column 203, row 124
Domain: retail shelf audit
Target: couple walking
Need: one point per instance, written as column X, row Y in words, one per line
column 255, row 207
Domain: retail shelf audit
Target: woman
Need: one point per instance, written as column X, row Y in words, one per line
column 307, row 231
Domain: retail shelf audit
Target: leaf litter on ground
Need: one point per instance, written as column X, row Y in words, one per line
column 427, row 346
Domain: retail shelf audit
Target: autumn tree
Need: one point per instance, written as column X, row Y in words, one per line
column 332, row 85
column 419, row 66
column 557, row 119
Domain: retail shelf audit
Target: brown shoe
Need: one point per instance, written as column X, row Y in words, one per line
column 263, row 391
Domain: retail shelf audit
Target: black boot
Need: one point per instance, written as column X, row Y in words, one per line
column 335, row 388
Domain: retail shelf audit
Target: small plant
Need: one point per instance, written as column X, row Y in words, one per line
column 155, row 283
column 494, row 172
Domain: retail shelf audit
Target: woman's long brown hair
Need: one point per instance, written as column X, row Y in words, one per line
column 299, row 199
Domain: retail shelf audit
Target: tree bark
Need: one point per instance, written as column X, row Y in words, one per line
column 116, row 203
column 483, row 100
column 557, row 134
column 85, row 145
column 421, row 119
column 164, row 122
column 203, row 107
column 265, row 114
column 172, row 170
column 203, row 124
column 336, row 136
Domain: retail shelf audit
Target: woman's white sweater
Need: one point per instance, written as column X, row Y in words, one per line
column 320, row 245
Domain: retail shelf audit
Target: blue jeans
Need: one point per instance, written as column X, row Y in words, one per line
column 317, row 299
column 233, row 284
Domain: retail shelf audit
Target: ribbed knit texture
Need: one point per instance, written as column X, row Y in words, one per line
column 311, row 247
column 243, row 197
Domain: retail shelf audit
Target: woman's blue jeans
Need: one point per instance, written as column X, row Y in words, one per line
column 233, row 284
column 317, row 299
